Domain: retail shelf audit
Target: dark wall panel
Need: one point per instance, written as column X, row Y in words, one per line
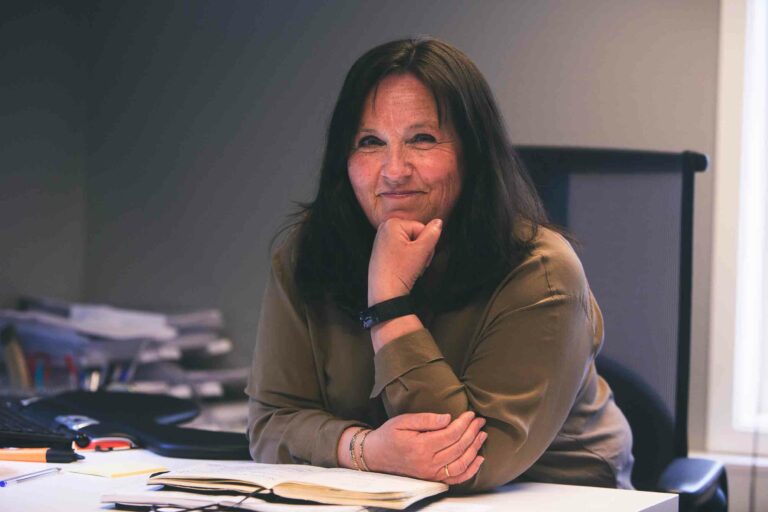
column 43, row 81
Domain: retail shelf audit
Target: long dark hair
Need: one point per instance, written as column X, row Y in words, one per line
column 494, row 219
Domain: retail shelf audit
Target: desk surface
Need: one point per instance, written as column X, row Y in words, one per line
column 72, row 491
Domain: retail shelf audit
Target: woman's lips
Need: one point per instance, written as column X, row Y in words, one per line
column 400, row 195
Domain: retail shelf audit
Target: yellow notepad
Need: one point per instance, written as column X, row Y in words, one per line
column 118, row 469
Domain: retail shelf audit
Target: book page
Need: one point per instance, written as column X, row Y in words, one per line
column 262, row 475
column 373, row 483
column 271, row 475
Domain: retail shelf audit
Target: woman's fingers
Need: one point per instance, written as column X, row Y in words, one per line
column 463, row 462
column 467, row 441
column 451, row 433
column 422, row 421
column 408, row 230
column 468, row 473
column 402, row 250
column 399, row 445
column 427, row 445
column 413, row 230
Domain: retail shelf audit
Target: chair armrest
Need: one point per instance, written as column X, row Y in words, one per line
column 695, row 480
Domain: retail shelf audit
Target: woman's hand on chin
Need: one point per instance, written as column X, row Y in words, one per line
column 424, row 445
column 402, row 250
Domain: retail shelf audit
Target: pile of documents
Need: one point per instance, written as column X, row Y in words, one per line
column 61, row 346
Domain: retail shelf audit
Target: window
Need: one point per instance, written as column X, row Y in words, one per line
column 750, row 364
column 738, row 383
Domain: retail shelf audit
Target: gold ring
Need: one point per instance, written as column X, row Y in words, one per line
column 447, row 474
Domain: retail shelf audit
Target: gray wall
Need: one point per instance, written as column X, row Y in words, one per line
column 42, row 150
column 206, row 121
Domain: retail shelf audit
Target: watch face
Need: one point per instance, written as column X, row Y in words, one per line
column 368, row 318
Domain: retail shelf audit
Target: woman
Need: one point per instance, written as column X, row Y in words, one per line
column 474, row 363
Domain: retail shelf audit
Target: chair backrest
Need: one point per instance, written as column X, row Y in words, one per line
column 631, row 213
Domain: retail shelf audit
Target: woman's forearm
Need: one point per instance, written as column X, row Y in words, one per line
column 390, row 330
column 291, row 435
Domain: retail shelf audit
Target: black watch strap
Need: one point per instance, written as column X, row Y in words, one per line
column 387, row 310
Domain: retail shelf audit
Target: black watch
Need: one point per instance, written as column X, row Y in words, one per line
column 387, row 310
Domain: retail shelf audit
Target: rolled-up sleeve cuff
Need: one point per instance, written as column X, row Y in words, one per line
column 326, row 439
column 402, row 355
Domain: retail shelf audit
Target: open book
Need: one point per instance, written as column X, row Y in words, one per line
column 333, row 486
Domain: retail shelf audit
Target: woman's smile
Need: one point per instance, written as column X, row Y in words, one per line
column 405, row 194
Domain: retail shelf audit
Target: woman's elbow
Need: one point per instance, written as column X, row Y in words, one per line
column 486, row 479
column 262, row 444
column 266, row 450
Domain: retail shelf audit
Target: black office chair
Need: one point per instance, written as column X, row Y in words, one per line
column 631, row 213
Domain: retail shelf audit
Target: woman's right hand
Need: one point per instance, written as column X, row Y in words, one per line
column 423, row 445
column 402, row 250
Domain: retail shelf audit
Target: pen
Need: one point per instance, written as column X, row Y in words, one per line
column 39, row 455
column 28, row 476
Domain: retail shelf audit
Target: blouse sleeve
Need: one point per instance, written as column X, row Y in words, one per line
column 287, row 420
column 522, row 374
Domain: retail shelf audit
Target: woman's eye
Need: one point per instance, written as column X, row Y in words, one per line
column 369, row 143
column 423, row 141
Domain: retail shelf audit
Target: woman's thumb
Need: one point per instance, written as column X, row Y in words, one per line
column 425, row 421
column 431, row 233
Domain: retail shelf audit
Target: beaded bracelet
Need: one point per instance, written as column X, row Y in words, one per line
column 362, row 450
column 352, row 449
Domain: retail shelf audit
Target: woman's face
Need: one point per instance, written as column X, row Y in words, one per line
column 404, row 164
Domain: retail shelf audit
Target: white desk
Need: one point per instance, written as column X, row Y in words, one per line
column 67, row 491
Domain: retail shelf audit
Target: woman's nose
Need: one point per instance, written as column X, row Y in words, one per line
column 397, row 166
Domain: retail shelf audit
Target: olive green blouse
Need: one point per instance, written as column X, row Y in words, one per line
column 522, row 357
